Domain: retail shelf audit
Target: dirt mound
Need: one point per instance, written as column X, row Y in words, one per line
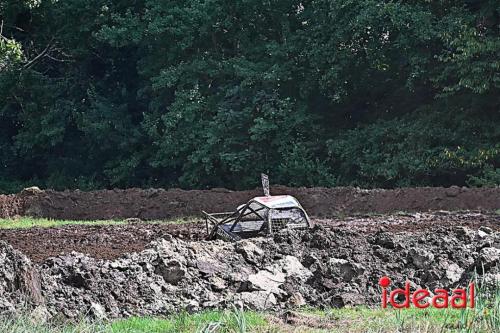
column 99, row 241
column 163, row 204
column 111, row 241
column 328, row 266
column 11, row 205
column 19, row 280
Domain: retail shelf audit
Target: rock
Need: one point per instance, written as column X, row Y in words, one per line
column 217, row 284
column 172, row 271
column 485, row 229
column 386, row 240
column 421, row 258
column 488, row 257
column 482, row 234
column 351, row 270
column 464, row 233
column 335, row 262
column 453, row 273
column 133, row 220
column 266, row 281
column 296, row 300
column 208, row 267
column 251, row 252
column 291, row 267
column 258, row 300
column 19, row 280
column 29, row 191
column 40, row 314
column 97, row 311
column 192, row 306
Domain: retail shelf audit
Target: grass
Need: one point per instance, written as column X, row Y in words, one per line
column 203, row 322
column 484, row 318
column 29, row 222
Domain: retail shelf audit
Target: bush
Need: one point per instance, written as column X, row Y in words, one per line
column 424, row 148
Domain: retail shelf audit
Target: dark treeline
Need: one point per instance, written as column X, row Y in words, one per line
column 209, row 93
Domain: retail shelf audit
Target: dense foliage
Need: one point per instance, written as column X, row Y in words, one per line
column 209, row 93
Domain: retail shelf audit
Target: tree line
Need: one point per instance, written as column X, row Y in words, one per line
column 210, row 93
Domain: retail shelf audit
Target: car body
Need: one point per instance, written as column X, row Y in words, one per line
column 260, row 216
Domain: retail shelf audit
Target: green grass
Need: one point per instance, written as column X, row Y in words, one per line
column 484, row 318
column 28, row 222
column 203, row 322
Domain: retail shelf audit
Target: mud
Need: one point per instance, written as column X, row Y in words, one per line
column 151, row 204
column 111, row 241
column 338, row 263
column 11, row 205
column 98, row 241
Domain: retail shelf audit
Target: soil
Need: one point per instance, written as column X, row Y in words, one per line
column 99, row 241
column 10, row 205
column 154, row 268
column 335, row 264
column 111, row 241
column 152, row 204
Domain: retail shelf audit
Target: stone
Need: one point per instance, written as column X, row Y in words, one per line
column 172, row 271
column 421, row 258
column 464, row 233
column 217, row 284
column 97, row 311
column 251, row 252
column 258, row 300
column 453, row 273
column 351, row 270
column 291, row 267
column 386, row 240
column 208, row 267
column 485, row 229
column 266, row 281
column 482, row 234
column 348, row 299
column 132, row 220
column 297, row 300
column 337, row 262
column 488, row 257
column 33, row 190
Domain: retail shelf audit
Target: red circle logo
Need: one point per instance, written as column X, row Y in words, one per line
column 384, row 282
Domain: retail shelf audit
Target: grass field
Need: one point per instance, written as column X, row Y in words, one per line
column 361, row 319
column 28, row 222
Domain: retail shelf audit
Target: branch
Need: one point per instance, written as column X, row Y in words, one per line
column 38, row 57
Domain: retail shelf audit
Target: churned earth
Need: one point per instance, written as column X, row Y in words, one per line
column 156, row 269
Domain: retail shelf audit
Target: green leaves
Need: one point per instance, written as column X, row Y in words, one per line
column 211, row 93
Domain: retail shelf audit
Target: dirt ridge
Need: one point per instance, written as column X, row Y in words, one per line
column 150, row 204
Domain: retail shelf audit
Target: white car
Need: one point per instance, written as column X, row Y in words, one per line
column 261, row 216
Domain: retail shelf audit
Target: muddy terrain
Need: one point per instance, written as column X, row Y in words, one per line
column 151, row 204
column 111, row 241
column 337, row 263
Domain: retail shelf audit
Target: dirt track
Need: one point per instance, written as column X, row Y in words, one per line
column 337, row 263
column 155, row 269
column 161, row 204
column 110, row 242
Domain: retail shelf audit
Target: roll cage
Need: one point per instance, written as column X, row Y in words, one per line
column 261, row 216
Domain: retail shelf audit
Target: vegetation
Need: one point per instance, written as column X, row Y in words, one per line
column 485, row 318
column 30, row 222
column 101, row 93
